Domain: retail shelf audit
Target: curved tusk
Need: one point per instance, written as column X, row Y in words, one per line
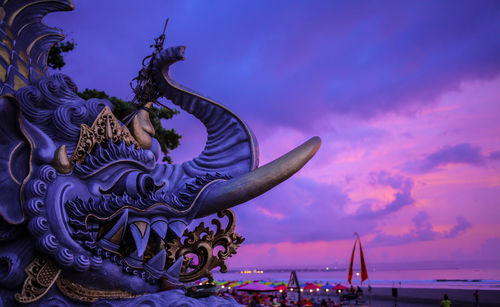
column 61, row 161
column 141, row 127
column 227, row 194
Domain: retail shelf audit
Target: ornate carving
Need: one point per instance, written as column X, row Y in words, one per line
column 42, row 273
column 104, row 129
column 201, row 243
column 81, row 293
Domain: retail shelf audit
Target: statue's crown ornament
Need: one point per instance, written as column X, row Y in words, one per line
column 105, row 128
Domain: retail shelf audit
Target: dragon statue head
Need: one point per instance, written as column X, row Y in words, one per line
column 86, row 203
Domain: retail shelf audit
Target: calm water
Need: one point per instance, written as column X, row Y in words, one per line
column 455, row 278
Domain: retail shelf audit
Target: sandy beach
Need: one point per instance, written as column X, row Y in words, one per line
column 426, row 296
column 413, row 297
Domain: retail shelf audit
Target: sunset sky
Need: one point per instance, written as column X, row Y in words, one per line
column 404, row 94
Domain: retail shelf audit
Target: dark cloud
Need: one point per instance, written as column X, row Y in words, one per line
column 461, row 226
column 464, row 153
column 402, row 197
column 299, row 211
column 494, row 155
column 422, row 231
column 289, row 62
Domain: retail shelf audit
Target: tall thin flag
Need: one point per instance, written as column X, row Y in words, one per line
column 349, row 276
column 364, row 272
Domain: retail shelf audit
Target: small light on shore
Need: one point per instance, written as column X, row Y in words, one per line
column 229, row 288
column 311, row 290
column 357, row 273
column 327, row 290
column 281, row 291
column 301, row 290
column 327, row 268
column 222, row 286
column 317, row 290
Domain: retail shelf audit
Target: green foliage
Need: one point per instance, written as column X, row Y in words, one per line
column 168, row 138
column 55, row 59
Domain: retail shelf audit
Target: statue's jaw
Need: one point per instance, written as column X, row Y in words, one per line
column 132, row 238
column 111, row 277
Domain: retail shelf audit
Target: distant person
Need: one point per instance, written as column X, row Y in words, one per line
column 445, row 302
column 255, row 301
column 476, row 297
column 359, row 291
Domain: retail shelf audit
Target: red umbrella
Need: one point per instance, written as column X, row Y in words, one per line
column 256, row 287
column 310, row 286
column 282, row 287
column 340, row 287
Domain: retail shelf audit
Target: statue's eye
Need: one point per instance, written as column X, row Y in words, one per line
column 111, row 155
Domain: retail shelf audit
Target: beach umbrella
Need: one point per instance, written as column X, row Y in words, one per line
column 340, row 287
column 310, row 286
column 255, row 287
column 234, row 284
column 282, row 287
column 326, row 286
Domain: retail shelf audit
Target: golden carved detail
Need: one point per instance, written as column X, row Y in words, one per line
column 104, row 129
column 42, row 273
column 201, row 243
column 81, row 293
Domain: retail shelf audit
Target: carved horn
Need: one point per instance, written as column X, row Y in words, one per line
column 231, row 147
column 227, row 194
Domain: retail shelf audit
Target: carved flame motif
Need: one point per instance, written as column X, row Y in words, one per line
column 201, row 243
column 104, row 129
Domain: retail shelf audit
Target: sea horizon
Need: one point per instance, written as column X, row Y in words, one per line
column 402, row 275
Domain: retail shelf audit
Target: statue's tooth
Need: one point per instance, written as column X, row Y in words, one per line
column 174, row 271
column 111, row 240
column 177, row 227
column 158, row 261
column 140, row 232
column 160, row 227
column 134, row 260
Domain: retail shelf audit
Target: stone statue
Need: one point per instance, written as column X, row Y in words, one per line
column 88, row 214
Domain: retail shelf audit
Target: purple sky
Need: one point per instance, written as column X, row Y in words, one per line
column 405, row 97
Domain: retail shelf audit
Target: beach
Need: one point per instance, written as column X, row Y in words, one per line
column 432, row 296
column 415, row 287
column 409, row 297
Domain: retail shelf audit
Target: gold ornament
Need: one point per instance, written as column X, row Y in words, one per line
column 42, row 273
column 201, row 243
column 105, row 128
column 81, row 293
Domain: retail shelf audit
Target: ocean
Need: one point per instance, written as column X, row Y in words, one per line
column 423, row 278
